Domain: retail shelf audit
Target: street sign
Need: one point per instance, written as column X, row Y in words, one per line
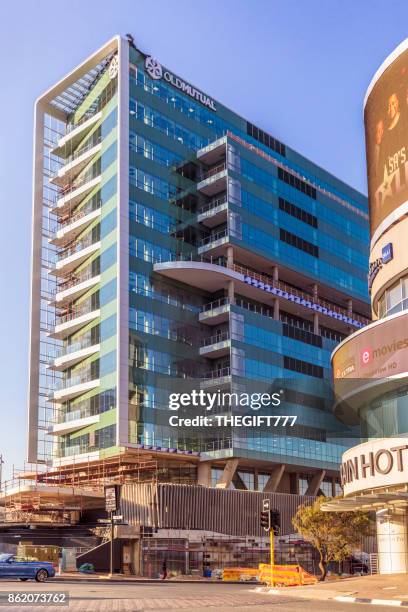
column 111, row 498
column 106, row 521
column 266, row 504
column 118, row 517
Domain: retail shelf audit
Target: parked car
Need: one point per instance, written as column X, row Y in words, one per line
column 13, row 567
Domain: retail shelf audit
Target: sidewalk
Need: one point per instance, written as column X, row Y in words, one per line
column 391, row 590
column 97, row 577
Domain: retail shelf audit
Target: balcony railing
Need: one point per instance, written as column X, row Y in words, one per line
column 74, row 185
column 76, row 154
column 76, row 312
column 79, row 345
column 216, row 304
column 213, row 204
column 78, row 246
column 214, row 237
column 83, row 376
column 75, row 279
column 73, row 415
column 70, row 219
column 268, row 280
column 220, row 337
column 217, row 373
column 212, row 171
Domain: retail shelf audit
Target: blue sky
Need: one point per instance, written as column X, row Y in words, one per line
column 298, row 69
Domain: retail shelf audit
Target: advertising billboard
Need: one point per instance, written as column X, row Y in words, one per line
column 380, row 351
column 386, row 128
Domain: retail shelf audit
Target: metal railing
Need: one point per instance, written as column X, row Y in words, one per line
column 75, row 279
column 75, row 313
column 76, row 154
column 80, row 344
column 86, row 242
column 216, row 304
column 83, row 376
column 214, row 237
column 213, row 204
column 74, row 185
column 217, row 373
column 213, row 171
column 268, row 280
column 220, row 337
column 86, row 210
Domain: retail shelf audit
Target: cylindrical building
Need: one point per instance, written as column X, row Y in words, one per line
column 371, row 366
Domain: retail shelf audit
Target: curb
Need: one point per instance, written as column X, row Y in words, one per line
column 375, row 602
column 74, row 580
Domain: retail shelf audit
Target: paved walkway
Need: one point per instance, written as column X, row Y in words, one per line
column 385, row 588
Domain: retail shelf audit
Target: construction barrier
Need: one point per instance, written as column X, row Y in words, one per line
column 243, row 574
column 284, row 575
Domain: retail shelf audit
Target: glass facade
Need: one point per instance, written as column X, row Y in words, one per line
column 205, row 188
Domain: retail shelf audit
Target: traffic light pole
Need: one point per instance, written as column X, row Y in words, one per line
column 111, row 543
column 272, row 553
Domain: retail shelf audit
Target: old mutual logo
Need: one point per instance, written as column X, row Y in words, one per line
column 156, row 71
column 153, row 68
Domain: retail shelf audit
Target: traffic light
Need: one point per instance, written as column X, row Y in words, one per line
column 266, row 519
column 275, row 521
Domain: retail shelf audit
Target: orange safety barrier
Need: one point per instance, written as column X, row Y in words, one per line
column 240, row 573
column 286, row 575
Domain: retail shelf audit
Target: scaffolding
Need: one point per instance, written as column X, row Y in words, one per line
column 59, row 494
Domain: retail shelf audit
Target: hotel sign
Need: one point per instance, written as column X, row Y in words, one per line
column 379, row 463
column 156, row 71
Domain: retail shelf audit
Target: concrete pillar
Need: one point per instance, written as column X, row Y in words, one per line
column 230, row 256
column 350, row 307
column 256, row 480
column 274, row 479
column 276, row 309
column 275, row 273
column 204, row 474
column 314, row 484
column 228, row 473
column 231, row 292
column 314, row 289
column 392, row 541
column 137, row 550
column 316, row 323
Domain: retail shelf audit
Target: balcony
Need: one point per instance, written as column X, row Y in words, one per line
column 73, row 256
column 73, row 354
column 73, row 286
column 73, row 321
column 213, row 277
column 74, row 193
column 215, row 312
column 214, row 152
column 213, row 242
column 74, row 136
column 214, row 213
column 216, row 346
column 74, row 386
column 72, row 424
column 74, row 225
column 75, row 164
column 213, row 180
column 219, row 377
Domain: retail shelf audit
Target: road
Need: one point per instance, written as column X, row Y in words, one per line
column 156, row 597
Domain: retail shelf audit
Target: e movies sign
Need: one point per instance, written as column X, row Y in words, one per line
column 156, row 71
column 374, row 464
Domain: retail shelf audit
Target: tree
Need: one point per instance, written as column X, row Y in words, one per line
column 334, row 534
